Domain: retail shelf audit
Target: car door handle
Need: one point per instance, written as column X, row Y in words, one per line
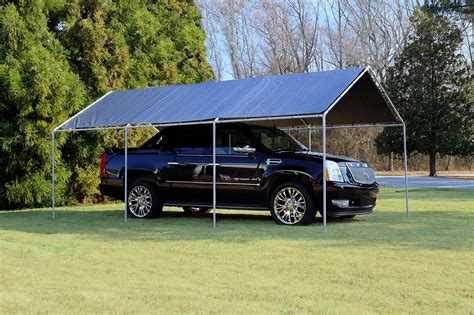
column 174, row 163
column 273, row 162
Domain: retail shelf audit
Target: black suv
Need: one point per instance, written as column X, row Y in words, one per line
column 258, row 168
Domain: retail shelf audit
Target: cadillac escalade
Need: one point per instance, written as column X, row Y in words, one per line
column 258, row 168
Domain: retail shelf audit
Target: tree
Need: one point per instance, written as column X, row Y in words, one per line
column 461, row 12
column 459, row 6
column 58, row 56
column 430, row 86
column 126, row 45
column 38, row 90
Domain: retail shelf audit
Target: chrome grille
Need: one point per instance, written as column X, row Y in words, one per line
column 361, row 173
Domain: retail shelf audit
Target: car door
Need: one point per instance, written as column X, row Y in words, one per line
column 239, row 170
column 154, row 156
column 191, row 147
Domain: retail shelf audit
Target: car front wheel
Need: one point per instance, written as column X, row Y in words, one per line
column 143, row 201
column 292, row 204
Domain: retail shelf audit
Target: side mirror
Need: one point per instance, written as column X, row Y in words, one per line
column 246, row 149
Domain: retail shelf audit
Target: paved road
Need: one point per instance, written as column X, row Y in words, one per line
column 425, row 181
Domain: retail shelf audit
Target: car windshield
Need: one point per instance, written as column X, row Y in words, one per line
column 277, row 140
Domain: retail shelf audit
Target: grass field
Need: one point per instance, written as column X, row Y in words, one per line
column 88, row 260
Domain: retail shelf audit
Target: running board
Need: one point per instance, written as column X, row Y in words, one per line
column 219, row 206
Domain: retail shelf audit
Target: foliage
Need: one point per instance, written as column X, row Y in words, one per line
column 430, row 86
column 58, row 56
column 38, row 90
column 458, row 6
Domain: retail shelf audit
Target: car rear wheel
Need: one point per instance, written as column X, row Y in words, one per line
column 292, row 204
column 143, row 201
column 196, row 210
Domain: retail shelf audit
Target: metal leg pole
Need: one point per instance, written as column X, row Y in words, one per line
column 214, row 200
column 324, row 173
column 125, row 182
column 406, row 167
column 53, row 211
column 309, row 138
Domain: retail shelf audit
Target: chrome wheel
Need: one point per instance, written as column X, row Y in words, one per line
column 140, row 201
column 289, row 205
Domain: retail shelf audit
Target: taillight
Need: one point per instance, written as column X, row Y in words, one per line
column 102, row 165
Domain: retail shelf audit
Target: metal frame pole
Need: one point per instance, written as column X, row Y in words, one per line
column 214, row 194
column 406, row 166
column 125, row 182
column 53, row 210
column 309, row 138
column 324, row 173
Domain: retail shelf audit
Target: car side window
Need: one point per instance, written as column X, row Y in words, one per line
column 192, row 140
column 154, row 141
column 166, row 142
column 160, row 141
column 229, row 139
column 197, row 140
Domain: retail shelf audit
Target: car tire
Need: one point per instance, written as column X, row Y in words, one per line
column 143, row 201
column 196, row 210
column 292, row 203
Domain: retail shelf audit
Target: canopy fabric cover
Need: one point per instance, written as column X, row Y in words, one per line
column 350, row 96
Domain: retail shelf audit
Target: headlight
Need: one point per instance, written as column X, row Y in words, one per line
column 333, row 172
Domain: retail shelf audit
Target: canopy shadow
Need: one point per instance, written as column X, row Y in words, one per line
column 429, row 230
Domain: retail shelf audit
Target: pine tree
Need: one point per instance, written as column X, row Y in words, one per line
column 38, row 90
column 430, row 86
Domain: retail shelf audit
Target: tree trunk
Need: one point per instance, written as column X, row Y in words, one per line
column 449, row 162
column 432, row 164
column 35, row 201
column 390, row 162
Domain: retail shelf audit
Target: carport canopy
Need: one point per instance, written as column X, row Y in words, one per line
column 348, row 97
column 338, row 98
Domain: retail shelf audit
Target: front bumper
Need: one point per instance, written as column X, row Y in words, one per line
column 362, row 199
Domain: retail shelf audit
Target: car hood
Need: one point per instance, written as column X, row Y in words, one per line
column 312, row 155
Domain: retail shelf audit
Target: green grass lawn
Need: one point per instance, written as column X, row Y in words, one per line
column 88, row 260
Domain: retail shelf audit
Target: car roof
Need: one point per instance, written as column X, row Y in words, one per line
column 207, row 126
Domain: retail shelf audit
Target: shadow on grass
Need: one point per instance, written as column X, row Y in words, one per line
column 423, row 193
column 449, row 230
